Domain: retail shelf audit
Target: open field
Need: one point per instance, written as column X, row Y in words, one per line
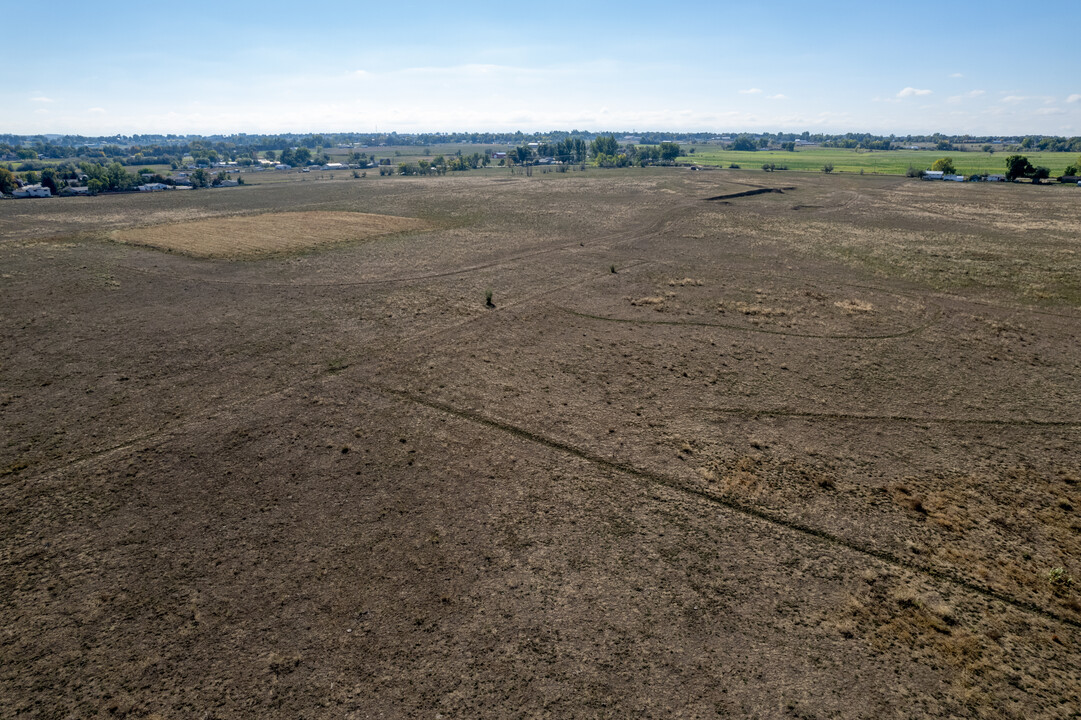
column 891, row 162
column 804, row 453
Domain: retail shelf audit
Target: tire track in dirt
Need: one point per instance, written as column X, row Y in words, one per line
column 435, row 332
column 693, row 323
column 734, row 505
column 1005, row 422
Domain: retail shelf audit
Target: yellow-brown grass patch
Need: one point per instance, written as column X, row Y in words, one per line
column 270, row 233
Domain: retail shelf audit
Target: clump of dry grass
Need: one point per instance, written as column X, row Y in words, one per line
column 685, row 282
column 854, row 306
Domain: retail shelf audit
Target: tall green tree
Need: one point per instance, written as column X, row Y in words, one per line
column 7, row 181
column 744, row 143
column 945, row 165
column 49, row 180
column 522, row 153
column 604, row 145
column 1017, row 166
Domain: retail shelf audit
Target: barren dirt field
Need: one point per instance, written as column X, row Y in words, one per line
column 801, row 454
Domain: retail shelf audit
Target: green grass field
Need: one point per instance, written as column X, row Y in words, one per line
column 892, row 162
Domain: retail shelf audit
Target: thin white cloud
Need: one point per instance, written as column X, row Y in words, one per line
column 957, row 75
column 751, row 91
column 1050, row 111
column 778, row 96
column 911, row 91
column 1074, row 98
column 966, row 96
column 41, row 99
column 1014, row 99
column 96, row 110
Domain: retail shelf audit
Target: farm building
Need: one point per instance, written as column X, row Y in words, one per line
column 28, row 191
column 953, row 178
column 933, row 175
column 996, row 178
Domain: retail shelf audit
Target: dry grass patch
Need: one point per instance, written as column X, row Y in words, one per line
column 854, row 306
column 270, row 233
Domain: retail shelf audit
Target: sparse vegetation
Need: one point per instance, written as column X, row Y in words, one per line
column 1059, row 579
column 778, row 425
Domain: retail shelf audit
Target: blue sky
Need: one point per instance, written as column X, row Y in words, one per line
column 984, row 68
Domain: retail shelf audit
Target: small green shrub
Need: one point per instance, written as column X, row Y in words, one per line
column 1059, row 578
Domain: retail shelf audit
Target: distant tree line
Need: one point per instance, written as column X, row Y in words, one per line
column 564, row 145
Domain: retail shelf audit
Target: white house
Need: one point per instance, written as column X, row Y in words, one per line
column 28, row 191
column 152, row 187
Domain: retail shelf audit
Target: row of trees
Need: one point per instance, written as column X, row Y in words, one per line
column 1017, row 166
column 141, row 149
column 103, row 178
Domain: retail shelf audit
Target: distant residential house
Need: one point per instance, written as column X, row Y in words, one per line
column 152, row 187
column 500, row 155
column 29, row 191
column 933, row 175
column 996, row 178
column 75, row 190
column 334, row 166
column 227, row 183
column 282, row 166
